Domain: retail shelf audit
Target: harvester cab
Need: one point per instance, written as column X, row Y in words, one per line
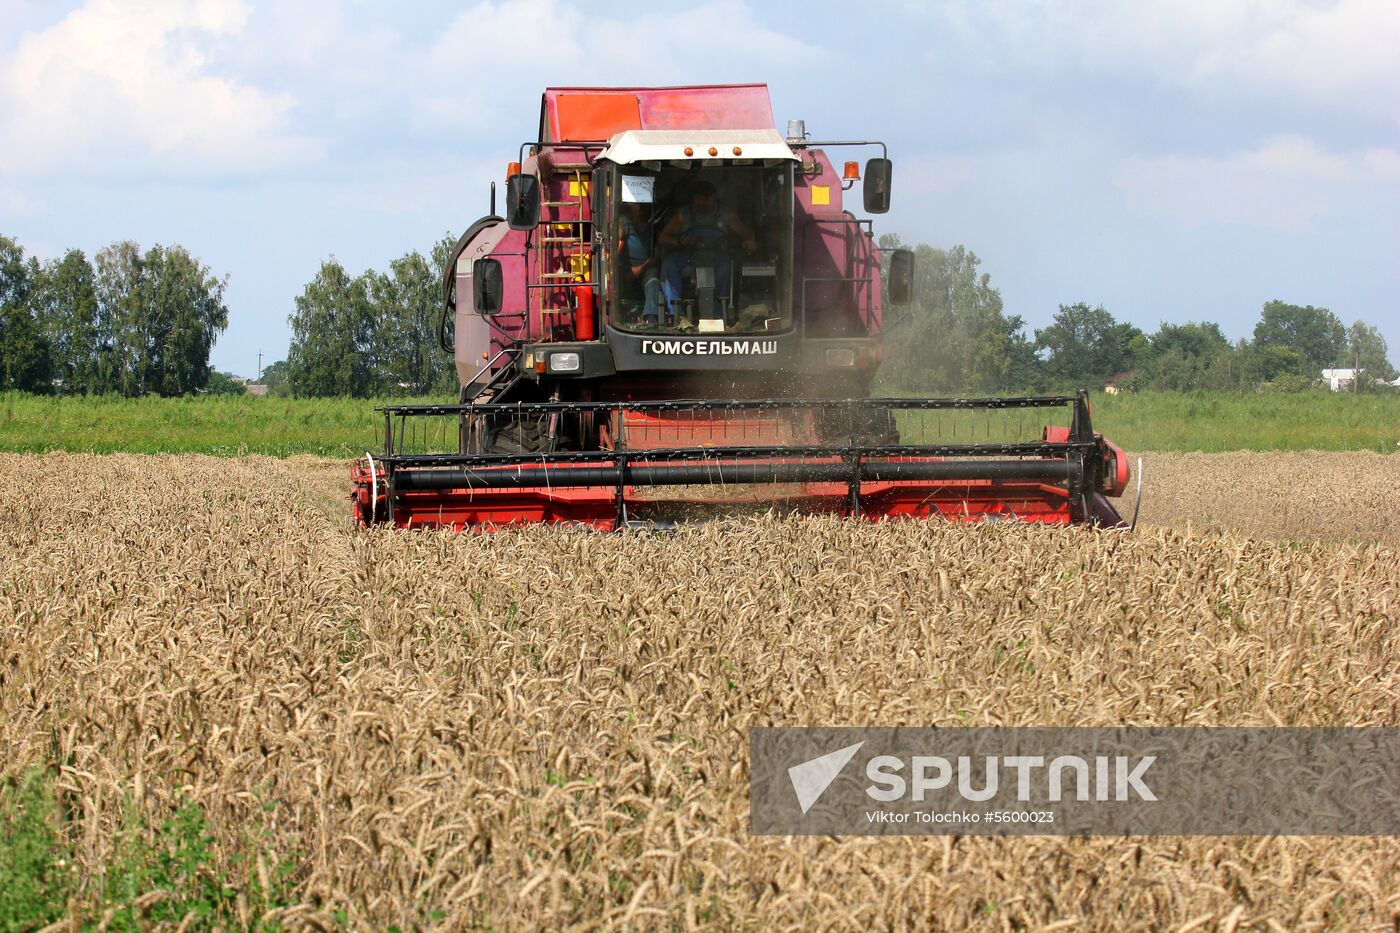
column 678, row 314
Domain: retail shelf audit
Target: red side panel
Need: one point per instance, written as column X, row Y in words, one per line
column 597, row 113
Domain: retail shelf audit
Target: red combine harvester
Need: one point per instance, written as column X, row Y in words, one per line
column 679, row 316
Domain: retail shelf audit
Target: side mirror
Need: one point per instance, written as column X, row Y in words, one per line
column 522, row 201
column 487, row 286
column 901, row 286
column 877, row 186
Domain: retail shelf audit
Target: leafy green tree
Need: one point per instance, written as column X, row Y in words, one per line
column 1083, row 346
column 193, row 313
column 333, row 337
column 442, row 256
column 1314, row 334
column 25, row 361
column 1190, row 339
column 957, row 336
column 224, row 384
column 1184, row 357
column 1268, row 363
column 1366, row 350
column 274, row 376
column 164, row 310
column 121, row 287
column 65, row 300
column 407, row 303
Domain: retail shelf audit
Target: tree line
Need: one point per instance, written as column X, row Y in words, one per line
column 373, row 334
column 130, row 322
column 958, row 339
column 135, row 321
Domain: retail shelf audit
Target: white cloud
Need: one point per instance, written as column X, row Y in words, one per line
column 1342, row 54
column 120, row 86
column 562, row 43
column 369, row 80
column 1383, row 163
column 640, row 46
column 1287, row 183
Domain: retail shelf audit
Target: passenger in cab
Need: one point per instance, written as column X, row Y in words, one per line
column 640, row 259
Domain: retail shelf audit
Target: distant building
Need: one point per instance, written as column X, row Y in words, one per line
column 1339, row 380
column 255, row 388
column 1115, row 383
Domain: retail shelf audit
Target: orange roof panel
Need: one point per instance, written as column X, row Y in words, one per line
column 597, row 116
column 597, row 113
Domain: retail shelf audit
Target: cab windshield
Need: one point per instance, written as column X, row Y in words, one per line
column 701, row 250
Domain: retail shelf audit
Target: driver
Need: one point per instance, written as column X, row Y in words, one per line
column 704, row 224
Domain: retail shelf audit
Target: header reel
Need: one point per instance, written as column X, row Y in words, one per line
column 668, row 461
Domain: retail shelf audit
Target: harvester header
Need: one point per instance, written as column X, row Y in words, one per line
column 679, row 314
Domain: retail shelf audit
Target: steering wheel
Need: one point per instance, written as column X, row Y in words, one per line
column 718, row 241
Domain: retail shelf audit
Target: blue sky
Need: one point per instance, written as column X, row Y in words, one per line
column 1171, row 159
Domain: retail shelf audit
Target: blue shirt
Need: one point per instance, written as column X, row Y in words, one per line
column 638, row 247
column 705, row 227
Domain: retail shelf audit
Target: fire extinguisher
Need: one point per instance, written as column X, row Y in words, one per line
column 584, row 328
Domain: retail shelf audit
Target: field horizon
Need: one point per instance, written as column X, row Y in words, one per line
column 235, row 426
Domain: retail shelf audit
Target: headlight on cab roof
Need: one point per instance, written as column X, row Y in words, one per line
column 564, row 362
column 842, row 356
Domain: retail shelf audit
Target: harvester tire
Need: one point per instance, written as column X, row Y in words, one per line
column 479, row 436
column 519, row 437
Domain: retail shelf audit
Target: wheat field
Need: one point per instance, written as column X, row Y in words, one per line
column 548, row 728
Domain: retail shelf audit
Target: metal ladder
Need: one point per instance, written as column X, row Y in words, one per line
column 564, row 256
column 497, row 382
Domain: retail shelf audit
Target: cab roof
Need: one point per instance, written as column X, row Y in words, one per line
column 631, row 146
